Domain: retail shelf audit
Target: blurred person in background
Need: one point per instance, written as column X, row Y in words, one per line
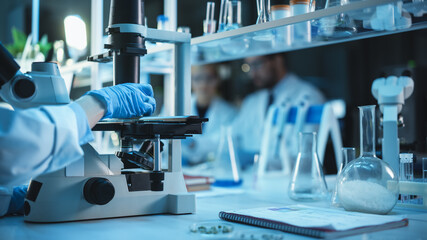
column 275, row 85
column 206, row 103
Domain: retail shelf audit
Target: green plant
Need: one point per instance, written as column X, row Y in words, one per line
column 19, row 40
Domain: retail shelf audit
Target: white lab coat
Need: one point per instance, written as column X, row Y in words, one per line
column 37, row 141
column 249, row 124
column 197, row 148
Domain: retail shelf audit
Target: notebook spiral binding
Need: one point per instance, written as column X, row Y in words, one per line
column 270, row 224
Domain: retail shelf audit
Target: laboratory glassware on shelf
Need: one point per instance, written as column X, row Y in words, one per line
column 233, row 20
column 226, row 166
column 368, row 184
column 349, row 154
column 266, row 36
column 234, row 15
column 301, row 32
column 335, row 26
column 222, row 15
column 209, row 24
column 263, row 9
column 281, row 9
column 308, row 182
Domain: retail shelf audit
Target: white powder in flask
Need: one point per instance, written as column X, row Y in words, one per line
column 364, row 196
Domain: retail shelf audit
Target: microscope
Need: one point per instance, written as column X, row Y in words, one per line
column 129, row 182
column 391, row 93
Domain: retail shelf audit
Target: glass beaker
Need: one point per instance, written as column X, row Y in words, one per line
column 226, row 165
column 349, row 154
column 368, row 184
column 234, row 14
column 336, row 26
column 263, row 8
column 308, row 182
column 222, row 15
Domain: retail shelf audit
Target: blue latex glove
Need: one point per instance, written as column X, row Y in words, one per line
column 16, row 206
column 126, row 100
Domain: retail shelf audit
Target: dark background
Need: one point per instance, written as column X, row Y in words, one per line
column 343, row 71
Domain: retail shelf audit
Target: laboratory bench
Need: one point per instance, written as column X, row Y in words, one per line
column 269, row 192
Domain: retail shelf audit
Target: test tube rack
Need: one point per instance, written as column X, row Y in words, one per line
column 418, row 188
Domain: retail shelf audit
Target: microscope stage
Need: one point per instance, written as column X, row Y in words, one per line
column 176, row 127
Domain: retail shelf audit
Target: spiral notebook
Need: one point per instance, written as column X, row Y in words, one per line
column 314, row 221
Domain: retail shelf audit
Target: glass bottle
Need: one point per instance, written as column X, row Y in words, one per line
column 308, row 182
column 368, row 184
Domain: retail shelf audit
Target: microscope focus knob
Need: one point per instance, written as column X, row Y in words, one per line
column 98, row 191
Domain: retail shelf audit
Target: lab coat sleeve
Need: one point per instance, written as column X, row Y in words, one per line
column 40, row 140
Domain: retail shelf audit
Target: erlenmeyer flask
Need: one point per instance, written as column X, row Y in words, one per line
column 308, row 182
column 226, row 164
column 349, row 154
column 368, row 184
column 263, row 9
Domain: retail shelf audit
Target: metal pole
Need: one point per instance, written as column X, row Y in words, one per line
column 35, row 21
column 170, row 10
column 182, row 69
column 157, row 154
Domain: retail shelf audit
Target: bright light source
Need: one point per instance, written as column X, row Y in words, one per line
column 338, row 106
column 75, row 32
column 246, row 68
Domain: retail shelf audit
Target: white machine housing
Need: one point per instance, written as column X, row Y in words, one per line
column 391, row 93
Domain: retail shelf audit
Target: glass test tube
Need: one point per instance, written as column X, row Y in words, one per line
column 209, row 24
column 406, row 173
column 424, row 169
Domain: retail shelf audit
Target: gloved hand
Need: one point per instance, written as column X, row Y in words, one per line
column 16, row 206
column 126, row 100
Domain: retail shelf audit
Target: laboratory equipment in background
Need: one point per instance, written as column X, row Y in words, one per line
column 209, row 24
column 416, row 7
column 281, row 9
column 413, row 191
column 183, row 29
column 368, row 184
column 389, row 17
column 222, row 15
column 263, row 9
column 391, row 93
column 349, row 154
column 424, row 172
column 336, row 26
column 234, row 15
column 226, row 166
column 129, row 182
column 283, row 125
column 43, row 85
column 301, row 32
column 163, row 23
column 406, row 172
column 308, row 182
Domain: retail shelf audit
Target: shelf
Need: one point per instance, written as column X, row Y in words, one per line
column 268, row 38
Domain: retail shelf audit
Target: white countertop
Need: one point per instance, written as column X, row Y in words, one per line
column 272, row 192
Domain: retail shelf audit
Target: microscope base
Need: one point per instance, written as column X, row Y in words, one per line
column 61, row 199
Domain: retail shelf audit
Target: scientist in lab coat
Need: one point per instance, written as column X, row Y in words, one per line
column 275, row 86
column 45, row 139
column 205, row 102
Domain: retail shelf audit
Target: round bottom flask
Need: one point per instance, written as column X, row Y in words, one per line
column 368, row 184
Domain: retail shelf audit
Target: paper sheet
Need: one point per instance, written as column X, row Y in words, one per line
column 315, row 217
